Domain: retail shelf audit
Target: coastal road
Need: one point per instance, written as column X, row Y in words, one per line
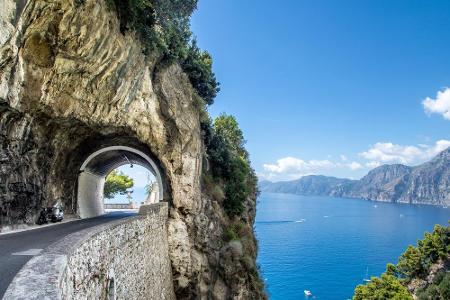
column 16, row 249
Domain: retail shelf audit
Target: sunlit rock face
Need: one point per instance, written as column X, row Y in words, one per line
column 71, row 83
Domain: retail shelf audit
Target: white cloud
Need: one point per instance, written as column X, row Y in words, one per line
column 288, row 168
column 343, row 157
column 354, row 165
column 440, row 105
column 389, row 152
column 405, row 154
column 292, row 165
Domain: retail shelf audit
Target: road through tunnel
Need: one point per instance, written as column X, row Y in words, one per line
column 98, row 165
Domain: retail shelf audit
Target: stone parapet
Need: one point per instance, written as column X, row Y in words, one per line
column 124, row 259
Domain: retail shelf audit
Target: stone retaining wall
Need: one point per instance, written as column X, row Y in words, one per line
column 125, row 259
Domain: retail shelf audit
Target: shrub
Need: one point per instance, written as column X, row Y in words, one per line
column 234, row 231
column 230, row 234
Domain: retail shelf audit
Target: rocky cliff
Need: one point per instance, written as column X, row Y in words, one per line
column 428, row 183
column 72, row 82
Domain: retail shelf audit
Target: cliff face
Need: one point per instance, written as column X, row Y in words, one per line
column 71, row 82
column 383, row 184
column 428, row 183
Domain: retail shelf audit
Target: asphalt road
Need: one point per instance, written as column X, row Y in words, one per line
column 16, row 249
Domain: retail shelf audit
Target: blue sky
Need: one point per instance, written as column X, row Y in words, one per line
column 331, row 87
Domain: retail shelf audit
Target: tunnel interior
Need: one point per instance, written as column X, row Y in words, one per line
column 98, row 165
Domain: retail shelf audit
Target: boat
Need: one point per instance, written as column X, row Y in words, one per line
column 367, row 279
column 307, row 293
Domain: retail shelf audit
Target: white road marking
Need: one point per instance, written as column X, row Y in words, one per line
column 29, row 252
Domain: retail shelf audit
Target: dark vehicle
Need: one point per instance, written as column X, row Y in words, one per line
column 50, row 214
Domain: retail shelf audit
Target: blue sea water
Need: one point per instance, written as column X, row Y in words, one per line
column 327, row 245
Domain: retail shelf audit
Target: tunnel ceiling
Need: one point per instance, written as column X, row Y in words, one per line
column 105, row 162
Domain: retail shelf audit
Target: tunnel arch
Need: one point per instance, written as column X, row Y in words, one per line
column 98, row 165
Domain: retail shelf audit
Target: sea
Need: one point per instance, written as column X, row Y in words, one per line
column 330, row 245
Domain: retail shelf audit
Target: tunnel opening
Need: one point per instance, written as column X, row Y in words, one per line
column 95, row 168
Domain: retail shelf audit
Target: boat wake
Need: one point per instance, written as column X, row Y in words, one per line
column 280, row 222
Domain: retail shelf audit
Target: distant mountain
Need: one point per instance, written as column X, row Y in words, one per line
column 307, row 185
column 428, row 183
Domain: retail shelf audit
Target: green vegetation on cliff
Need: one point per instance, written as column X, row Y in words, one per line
column 424, row 269
column 229, row 163
column 230, row 181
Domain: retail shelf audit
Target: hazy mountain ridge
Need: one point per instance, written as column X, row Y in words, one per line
column 428, row 183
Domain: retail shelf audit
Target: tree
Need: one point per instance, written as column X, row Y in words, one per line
column 117, row 183
column 228, row 127
column 237, row 189
column 410, row 263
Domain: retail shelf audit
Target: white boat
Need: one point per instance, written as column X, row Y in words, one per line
column 307, row 293
column 366, row 279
